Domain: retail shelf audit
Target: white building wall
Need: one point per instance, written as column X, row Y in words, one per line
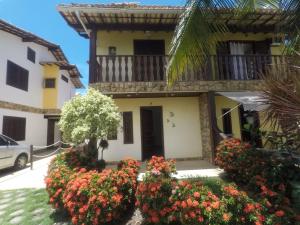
column 36, row 126
column 65, row 90
column 14, row 49
column 181, row 128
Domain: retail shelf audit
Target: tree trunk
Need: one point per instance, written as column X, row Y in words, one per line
column 92, row 148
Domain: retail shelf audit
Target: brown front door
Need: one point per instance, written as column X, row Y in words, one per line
column 50, row 132
column 149, row 59
column 152, row 132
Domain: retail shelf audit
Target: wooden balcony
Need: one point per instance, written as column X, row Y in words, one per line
column 150, row 68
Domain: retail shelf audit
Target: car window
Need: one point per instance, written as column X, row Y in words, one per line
column 11, row 141
column 2, row 142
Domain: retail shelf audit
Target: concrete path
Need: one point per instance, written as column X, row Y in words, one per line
column 26, row 178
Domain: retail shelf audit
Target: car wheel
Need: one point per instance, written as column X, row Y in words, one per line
column 21, row 162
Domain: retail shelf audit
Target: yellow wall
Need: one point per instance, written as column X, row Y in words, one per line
column 123, row 40
column 223, row 102
column 51, row 94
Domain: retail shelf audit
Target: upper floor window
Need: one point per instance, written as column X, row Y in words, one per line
column 31, row 55
column 17, row 76
column 64, row 78
column 49, row 83
column 14, row 127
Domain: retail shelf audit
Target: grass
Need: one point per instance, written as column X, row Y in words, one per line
column 30, row 206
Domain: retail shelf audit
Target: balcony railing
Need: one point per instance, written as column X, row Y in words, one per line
column 151, row 68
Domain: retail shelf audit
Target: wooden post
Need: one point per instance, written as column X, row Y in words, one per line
column 31, row 157
column 92, row 60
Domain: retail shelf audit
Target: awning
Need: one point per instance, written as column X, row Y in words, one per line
column 252, row 101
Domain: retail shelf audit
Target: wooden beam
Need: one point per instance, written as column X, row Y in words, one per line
column 131, row 26
column 29, row 39
column 92, row 58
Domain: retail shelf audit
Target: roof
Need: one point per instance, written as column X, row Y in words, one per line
column 131, row 16
column 120, row 16
column 55, row 49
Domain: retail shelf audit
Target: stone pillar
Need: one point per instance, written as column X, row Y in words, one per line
column 207, row 112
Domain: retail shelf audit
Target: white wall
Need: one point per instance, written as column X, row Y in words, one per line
column 12, row 48
column 36, row 126
column 65, row 90
column 181, row 132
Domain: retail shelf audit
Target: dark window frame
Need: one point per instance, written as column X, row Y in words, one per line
column 128, row 127
column 31, row 55
column 49, row 83
column 17, row 76
column 64, row 78
column 227, row 121
column 14, row 127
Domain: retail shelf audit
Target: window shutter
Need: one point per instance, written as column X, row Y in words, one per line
column 128, row 127
column 14, row 127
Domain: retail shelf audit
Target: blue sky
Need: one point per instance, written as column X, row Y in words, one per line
column 41, row 18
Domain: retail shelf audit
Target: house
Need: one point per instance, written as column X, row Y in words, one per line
column 35, row 81
column 128, row 54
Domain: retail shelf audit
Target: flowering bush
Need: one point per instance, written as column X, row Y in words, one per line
column 154, row 191
column 193, row 203
column 58, row 176
column 229, row 152
column 159, row 166
column 93, row 197
column 263, row 174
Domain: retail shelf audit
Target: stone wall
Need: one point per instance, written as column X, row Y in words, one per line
column 180, row 87
column 205, row 124
column 25, row 108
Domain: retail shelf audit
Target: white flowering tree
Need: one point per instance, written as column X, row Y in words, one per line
column 91, row 116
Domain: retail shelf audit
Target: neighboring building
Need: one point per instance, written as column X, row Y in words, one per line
column 35, row 81
column 129, row 44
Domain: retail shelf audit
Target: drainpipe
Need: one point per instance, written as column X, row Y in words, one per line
column 82, row 23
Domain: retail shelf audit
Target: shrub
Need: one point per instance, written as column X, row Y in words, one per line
column 100, row 197
column 154, row 191
column 265, row 175
column 193, row 203
column 57, row 178
column 230, row 157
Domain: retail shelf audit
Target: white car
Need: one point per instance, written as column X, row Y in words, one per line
column 13, row 154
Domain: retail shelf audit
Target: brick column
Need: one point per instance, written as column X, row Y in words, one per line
column 207, row 114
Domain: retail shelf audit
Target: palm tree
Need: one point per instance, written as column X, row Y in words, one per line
column 197, row 34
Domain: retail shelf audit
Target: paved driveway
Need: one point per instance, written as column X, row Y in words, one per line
column 26, row 178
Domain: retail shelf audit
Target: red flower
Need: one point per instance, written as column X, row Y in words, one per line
column 279, row 213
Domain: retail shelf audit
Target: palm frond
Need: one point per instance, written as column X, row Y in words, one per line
column 196, row 35
column 282, row 95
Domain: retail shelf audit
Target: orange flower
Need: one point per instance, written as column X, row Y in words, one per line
column 183, row 204
column 279, row 213
column 196, row 194
column 226, row 217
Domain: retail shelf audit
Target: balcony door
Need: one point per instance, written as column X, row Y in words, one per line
column 149, row 56
column 243, row 60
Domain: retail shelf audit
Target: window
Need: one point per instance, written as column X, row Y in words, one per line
column 14, row 127
column 17, row 76
column 64, row 78
column 31, row 55
column 3, row 142
column 227, row 125
column 112, row 51
column 50, row 83
column 128, row 127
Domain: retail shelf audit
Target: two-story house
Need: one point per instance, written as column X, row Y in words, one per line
column 129, row 45
column 35, row 81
